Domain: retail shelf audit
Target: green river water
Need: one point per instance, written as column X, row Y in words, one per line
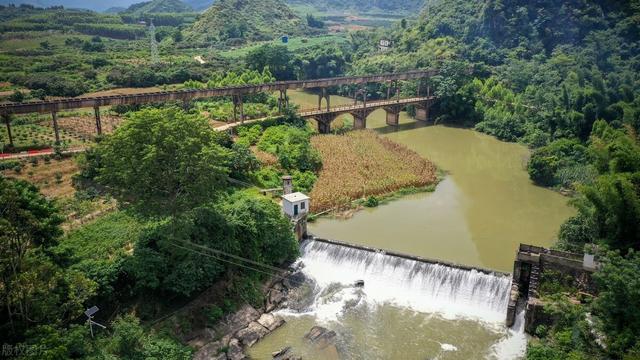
column 484, row 207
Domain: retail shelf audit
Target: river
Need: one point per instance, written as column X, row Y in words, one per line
column 479, row 213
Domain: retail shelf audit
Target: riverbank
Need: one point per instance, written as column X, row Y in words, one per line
column 361, row 165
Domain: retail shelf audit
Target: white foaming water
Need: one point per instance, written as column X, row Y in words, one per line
column 429, row 288
column 514, row 345
column 448, row 347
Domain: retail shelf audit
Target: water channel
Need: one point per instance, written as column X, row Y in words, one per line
column 484, row 207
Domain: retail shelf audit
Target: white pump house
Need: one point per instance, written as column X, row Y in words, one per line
column 295, row 204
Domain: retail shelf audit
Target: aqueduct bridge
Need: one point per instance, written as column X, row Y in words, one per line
column 323, row 115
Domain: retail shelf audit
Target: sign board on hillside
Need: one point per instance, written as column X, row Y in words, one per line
column 384, row 44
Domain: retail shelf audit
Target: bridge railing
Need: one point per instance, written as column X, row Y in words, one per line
column 189, row 94
column 369, row 104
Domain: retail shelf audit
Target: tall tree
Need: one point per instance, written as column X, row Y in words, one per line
column 34, row 289
column 162, row 161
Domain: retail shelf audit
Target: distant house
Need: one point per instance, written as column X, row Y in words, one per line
column 384, row 45
column 295, row 204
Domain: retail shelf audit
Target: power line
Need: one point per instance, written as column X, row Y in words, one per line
column 240, row 258
column 277, row 275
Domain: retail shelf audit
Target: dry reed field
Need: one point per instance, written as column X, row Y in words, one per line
column 53, row 178
column 359, row 164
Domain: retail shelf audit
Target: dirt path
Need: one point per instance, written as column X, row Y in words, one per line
column 33, row 153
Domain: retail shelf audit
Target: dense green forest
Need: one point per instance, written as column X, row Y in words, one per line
column 158, row 6
column 373, row 6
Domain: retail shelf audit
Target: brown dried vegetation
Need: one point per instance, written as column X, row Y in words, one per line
column 359, row 164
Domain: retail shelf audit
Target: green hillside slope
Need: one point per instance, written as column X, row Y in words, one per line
column 158, row 6
column 236, row 21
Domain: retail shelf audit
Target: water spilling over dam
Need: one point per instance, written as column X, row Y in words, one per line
column 418, row 285
column 408, row 308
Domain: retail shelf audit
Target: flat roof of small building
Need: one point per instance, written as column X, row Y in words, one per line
column 294, row 197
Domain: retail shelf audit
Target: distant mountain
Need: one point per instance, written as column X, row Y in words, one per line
column 158, row 6
column 199, row 4
column 245, row 20
column 96, row 5
column 114, row 10
column 364, row 5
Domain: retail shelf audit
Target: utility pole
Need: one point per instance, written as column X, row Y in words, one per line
column 154, row 44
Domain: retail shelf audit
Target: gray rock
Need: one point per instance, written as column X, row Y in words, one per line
column 239, row 320
column 202, row 338
column 210, row 351
column 270, row 321
column 321, row 337
column 251, row 334
column 285, row 354
column 235, row 351
column 294, row 280
column 274, row 299
column 281, row 352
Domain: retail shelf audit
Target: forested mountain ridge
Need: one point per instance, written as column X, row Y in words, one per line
column 245, row 20
column 363, row 5
column 199, row 4
column 158, row 6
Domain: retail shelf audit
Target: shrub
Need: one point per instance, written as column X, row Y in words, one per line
column 10, row 164
column 303, row 181
column 371, row 201
column 214, row 313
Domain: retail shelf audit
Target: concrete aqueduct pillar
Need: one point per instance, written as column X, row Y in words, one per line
column 96, row 110
column 393, row 114
column 324, row 95
column 422, row 111
column 360, row 118
column 54, row 117
column 7, row 121
column 283, row 101
column 324, row 122
column 238, row 105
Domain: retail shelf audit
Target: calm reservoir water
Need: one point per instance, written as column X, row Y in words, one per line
column 478, row 214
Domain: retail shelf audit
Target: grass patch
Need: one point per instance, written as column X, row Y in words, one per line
column 360, row 164
column 99, row 249
column 108, row 238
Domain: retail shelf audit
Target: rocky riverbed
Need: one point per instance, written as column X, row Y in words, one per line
column 237, row 332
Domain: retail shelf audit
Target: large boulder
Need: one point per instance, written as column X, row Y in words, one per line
column 275, row 297
column 239, row 320
column 202, row 337
column 235, row 351
column 321, row 337
column 211, row 351
column 251, row 334
column 270, row 321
